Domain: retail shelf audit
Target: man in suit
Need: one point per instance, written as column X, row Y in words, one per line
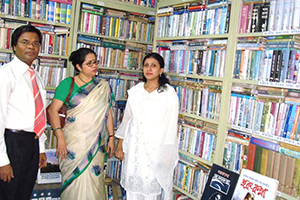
column 22, row 117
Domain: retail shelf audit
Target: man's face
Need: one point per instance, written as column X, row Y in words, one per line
column 27, row 48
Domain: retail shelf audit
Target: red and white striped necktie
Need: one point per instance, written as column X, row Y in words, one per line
column 40, row 120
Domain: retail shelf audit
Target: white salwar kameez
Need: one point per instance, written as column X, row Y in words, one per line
column 150, row 145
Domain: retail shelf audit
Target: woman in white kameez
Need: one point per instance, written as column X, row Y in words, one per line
column 148, row 142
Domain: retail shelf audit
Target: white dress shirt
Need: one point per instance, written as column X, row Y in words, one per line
column 17, row 107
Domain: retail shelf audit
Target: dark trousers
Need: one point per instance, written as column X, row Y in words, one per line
column 23, row 153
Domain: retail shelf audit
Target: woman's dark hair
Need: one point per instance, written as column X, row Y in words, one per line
column 163, row 80
column 22, row 29
column 78, row 57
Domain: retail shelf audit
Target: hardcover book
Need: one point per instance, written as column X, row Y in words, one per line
column 220, row 184
column 252, row 185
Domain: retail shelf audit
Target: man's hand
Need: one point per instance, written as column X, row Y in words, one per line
column 6, row 173
column 43, row 160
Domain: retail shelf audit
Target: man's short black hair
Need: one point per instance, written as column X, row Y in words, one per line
column 22, row 29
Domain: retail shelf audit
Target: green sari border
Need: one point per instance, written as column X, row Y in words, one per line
column 68, row 182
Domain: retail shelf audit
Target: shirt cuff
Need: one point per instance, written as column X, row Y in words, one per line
column 42, row 140
column 4, row 159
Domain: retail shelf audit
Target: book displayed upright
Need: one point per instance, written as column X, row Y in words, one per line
column 50, row 173
column 252, row 185
column 220, row 184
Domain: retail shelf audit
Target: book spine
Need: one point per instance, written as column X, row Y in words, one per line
column 272, row 15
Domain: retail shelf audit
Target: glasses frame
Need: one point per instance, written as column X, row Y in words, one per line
column 91, row 63
column 35, row 44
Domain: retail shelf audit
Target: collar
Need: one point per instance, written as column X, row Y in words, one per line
column 19, row 66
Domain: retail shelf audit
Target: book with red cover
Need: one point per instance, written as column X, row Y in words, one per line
column 251, row 156
column 252, row 185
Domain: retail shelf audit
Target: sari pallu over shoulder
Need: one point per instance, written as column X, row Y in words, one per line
column 84, row 133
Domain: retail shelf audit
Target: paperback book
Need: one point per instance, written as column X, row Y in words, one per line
column 51, row 173
column 252, row 185
column 220, row 184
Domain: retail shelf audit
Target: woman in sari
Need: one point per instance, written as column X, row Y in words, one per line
column 89, row 124
column 148, row 135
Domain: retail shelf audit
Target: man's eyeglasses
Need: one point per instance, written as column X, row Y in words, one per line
column 92, row 63
column 27, row 43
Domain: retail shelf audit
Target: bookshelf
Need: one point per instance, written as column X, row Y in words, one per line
column 277, row 85
column 56, row 28
column 165, row 39
column 116, row 36
column 120, row 33
column 202, row 80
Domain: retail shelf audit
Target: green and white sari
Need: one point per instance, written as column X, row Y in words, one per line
column 85, row 136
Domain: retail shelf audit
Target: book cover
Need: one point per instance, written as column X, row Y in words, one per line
column 272, row 15
column 296, row 178
column 51, row 173
column 284, row 167
column 279, row 15
column 265, row 16
column 270, row 163
column 264, row 161
column 249, row 18
column 256, row 18
column 220, row 184
column 243, row 18
column 264, row 143
column 290, row 173
column 255, row 186
column 109, row 192
column 257, row 159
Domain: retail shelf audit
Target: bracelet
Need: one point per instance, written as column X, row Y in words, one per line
column 57, row 129
column 111, row 136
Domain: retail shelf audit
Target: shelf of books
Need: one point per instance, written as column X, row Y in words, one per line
column 263, row 120
column 193, row 37
column 120, row 37
column 235, row 66
column 53, row 19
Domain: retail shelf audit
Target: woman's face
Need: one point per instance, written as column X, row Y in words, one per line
column 89, row 66
column 152, row 69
